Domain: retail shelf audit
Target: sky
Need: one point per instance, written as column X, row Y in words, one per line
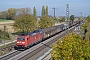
column 75, row 6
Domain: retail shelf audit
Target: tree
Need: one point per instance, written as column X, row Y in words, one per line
column 35, row 15
column 62, row 19
column 3, row 15
column 72, row 48
column 25, row 23
column 46, row 10
column 4, row 33
column 34, row 12
column 56, row 19
column 86, row 28
column 11, row 13
column 45, row 22
column 72, row 18
column 22, row 11
column 43, row 10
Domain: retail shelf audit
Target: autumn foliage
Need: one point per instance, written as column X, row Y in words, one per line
column 73, row 47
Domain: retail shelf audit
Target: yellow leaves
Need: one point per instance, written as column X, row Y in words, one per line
column 72, row 48
column 88, row 19
column 84, row 26
column 11, row 12
column 82, row 58
column 46, row 22
column 25, row 23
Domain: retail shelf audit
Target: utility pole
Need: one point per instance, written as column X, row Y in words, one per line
column 67, row 12
column 81, row 16
column 85, row 17
column 54, row 15
column 67, row 16
column 54, row 12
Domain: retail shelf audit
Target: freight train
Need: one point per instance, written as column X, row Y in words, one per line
column 25, row 40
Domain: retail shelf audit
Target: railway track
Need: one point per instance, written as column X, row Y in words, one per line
column 4, row 49
column 9, row 55
column 46, row 56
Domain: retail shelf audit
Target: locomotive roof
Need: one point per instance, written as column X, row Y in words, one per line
column 23, row 34
column 35, row 32
column 32, row 34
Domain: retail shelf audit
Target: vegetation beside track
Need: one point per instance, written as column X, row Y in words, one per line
column 6, row 48
column 73, row 47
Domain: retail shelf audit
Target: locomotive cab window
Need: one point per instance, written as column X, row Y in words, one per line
column 20, row 38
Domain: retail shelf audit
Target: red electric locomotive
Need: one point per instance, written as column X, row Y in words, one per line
column 26, row 40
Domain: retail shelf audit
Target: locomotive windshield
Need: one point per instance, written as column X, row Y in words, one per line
column 20, row 38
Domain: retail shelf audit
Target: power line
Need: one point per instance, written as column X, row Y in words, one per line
column 57, row 8
column 61, row 6
column 67, row 11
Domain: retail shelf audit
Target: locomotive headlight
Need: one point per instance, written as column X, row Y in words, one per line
column 18, row 42
column 23, row 42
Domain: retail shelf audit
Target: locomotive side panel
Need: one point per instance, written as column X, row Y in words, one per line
column 39, row 35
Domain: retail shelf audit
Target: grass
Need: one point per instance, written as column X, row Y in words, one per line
column 8, row 45
column 3, row 20
column 2, row 52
